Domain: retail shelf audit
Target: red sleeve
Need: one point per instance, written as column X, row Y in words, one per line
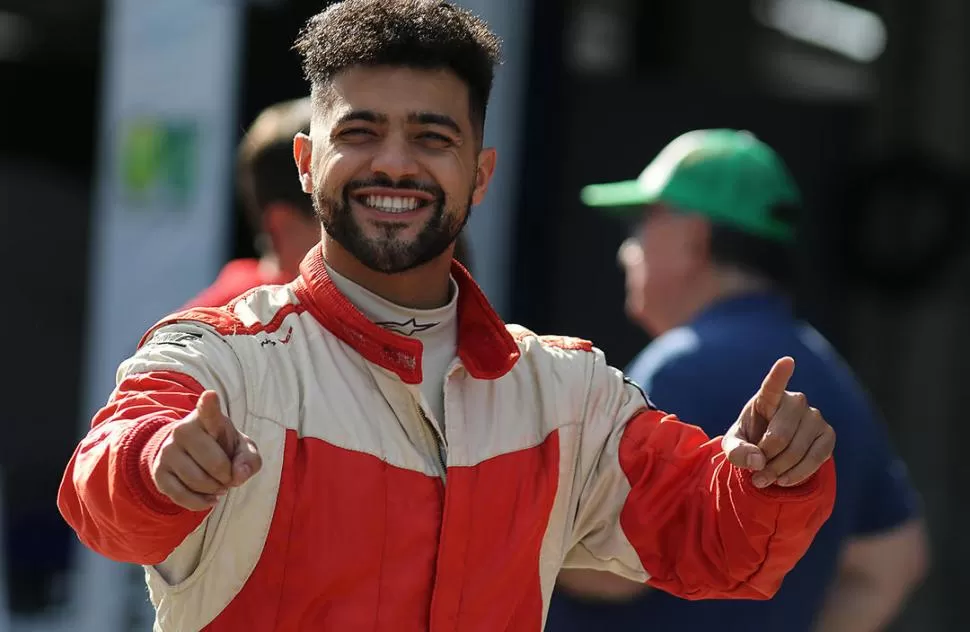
column 107, row 494
column 700, row 528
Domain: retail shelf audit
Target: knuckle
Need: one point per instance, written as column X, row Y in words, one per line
column 782, row 435
column 799, row 399
column 827, row 440
column 167, row 453
column 164, row 486
column 182, row 428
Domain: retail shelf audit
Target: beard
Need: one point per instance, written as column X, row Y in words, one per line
column 387, row 253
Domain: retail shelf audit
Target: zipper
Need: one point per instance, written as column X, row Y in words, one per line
column 437, row 441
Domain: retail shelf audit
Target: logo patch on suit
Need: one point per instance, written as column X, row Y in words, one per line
column 408, row 327
column 273, row 342
column 174, row 338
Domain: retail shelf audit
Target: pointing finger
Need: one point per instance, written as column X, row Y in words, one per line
column 210, row 413
column 769, row 396
column 215, row 422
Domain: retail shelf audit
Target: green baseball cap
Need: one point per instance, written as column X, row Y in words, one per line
column 727, row 175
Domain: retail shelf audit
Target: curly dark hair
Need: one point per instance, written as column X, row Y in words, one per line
column 424, row 34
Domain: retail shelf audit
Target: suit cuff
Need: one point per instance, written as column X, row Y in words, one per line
column 139, row 449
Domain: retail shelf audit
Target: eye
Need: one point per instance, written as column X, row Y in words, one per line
column 434, row 139
column 357, row 133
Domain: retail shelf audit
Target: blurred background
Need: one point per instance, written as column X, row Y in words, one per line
column 119, row 120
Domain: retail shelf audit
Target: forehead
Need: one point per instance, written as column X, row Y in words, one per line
column 396, row 92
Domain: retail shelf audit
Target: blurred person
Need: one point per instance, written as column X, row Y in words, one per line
column 371, row 447
column 709, row 274
column 279, row 213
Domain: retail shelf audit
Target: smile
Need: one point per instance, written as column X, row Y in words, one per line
column 391, row 204
column 393, row 201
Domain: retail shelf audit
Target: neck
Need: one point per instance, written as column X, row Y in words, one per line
column 730, row 282
column 423, row 287
column 718, row 285
column 722, row 284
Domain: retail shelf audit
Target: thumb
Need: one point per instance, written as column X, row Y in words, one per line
column 741, row 452
column 215, row 423
column 246, row 462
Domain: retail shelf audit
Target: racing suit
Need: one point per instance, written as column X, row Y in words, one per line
column 370, row 514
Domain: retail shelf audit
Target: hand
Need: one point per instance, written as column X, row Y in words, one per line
column 203, row 457
column 778, row 435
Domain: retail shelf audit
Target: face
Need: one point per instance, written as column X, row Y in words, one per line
column 393, row 164
column 661, row 262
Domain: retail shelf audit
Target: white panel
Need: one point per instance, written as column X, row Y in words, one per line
column 162, row 210
column 491, row 230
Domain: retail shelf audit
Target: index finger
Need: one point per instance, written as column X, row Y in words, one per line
column 769, row 396
column 209, row 412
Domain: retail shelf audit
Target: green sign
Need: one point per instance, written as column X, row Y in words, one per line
column 159, row 162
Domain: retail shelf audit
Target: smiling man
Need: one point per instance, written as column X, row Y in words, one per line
column 371, row 448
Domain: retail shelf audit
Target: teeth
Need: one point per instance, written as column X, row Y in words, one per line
column 396, row 204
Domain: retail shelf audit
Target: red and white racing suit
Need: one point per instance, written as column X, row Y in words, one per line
column 366, row 516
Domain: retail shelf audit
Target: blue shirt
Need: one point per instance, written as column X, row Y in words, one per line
column 705, row 373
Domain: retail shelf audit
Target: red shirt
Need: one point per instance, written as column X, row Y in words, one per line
column 235, row 278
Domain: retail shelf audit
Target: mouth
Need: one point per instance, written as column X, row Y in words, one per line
column 393, row 201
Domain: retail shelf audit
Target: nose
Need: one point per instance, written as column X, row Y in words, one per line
column 394, row 158
column 630, row 253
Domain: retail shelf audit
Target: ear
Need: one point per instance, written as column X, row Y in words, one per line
column 486, row 169
column 303, row 155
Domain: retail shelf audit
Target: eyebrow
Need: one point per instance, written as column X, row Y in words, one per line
column 433, row 118
column 415, row 118
column 366, row 116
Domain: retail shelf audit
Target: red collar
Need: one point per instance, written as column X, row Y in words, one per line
column 485, row 346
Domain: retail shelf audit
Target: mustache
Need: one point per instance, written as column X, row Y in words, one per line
column 385, row 182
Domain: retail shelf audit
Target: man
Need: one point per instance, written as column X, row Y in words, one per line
column 277, row 209
column 708, row 273
column 371, row 448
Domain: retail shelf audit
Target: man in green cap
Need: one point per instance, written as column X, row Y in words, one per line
column 709, row 271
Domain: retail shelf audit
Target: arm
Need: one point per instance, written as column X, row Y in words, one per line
column 661, row 503
column 108, row 494
column 876, row 575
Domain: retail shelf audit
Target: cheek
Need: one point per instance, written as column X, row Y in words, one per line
column 661, row 267
column 335, row 169
column 453, row 174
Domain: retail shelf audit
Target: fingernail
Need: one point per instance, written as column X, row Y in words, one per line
column 244, row 470
column 755, row 461
column 760, row 481
column 784, row 481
